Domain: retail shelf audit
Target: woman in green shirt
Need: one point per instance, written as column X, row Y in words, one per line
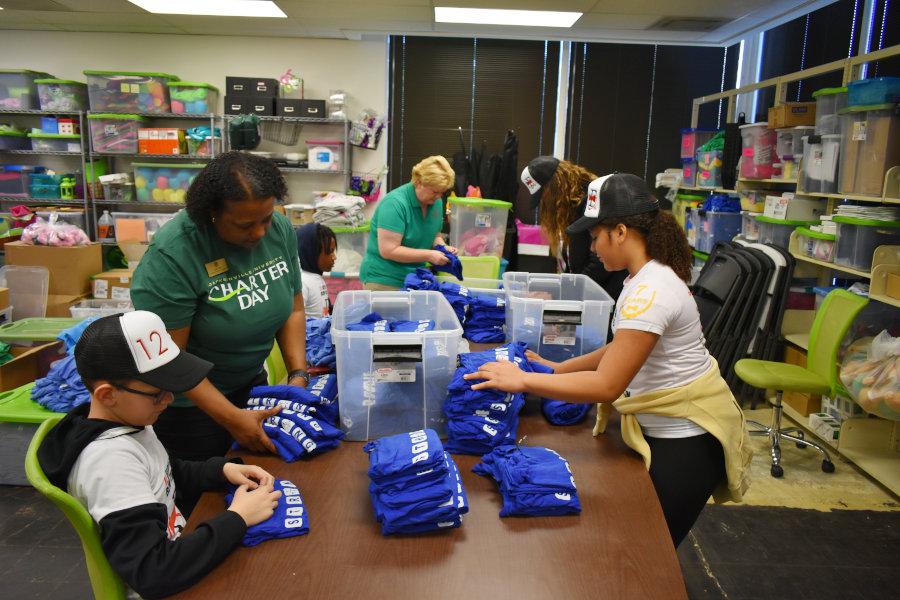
column 406, row 227
column 225, row 278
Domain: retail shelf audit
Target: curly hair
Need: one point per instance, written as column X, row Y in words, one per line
column 559, row 202
column 232, row 177
column 664, row 238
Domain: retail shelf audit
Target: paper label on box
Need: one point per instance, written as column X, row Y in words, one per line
column 395, row 373
column 483, row 220
column 368, row 385
column 73, row 147
column 559, row 335
column 121, row 293
column 101, row 288
column 109, row 130
column 859, row 131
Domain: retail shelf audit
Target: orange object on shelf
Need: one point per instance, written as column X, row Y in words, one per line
column 161, row 140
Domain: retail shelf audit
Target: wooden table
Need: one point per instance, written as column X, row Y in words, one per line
column 618, row 547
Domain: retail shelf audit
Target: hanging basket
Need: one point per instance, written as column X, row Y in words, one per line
column 285, row 133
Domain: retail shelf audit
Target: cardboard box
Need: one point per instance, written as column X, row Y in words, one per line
column 825, row 427
column 113, row 285
column 28, row 364
column 251, row 86
column 4, row 297
column 792, row 114
column 841, row 408
column 161, row 140
column 58, row 304
column 246, row 105
column 893, row 286
column 71, row 267
column 802, row 403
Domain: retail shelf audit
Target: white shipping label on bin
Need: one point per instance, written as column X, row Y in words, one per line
column 483, row 220
column 559, row 335
column 395, row 373
column 859, row 131
column 101, row 288
column 121, row 293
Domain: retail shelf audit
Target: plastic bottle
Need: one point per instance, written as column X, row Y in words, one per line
column 105, row 228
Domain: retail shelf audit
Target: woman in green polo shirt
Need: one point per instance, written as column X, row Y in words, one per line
column 225, row 278
column 406, row 227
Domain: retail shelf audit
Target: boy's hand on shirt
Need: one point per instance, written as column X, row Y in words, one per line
column 250, row 476
column 247, row 429
column 255, row 506
column 535, row 357
column 502, row 375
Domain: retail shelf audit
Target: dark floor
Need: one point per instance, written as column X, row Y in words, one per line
column 733, row 553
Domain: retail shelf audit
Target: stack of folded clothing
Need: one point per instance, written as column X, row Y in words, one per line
column 325, row 388
column 415, row 485
column 62, row 389
column 339, row 210
column 288, row 520
column 377, row 324
column 533, row 481
column 320, row 350
column 458, row 296
column 298, row 430
column 487, row 317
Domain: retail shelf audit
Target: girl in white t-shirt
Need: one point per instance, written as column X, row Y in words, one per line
column 675, row 406
column 316, row 246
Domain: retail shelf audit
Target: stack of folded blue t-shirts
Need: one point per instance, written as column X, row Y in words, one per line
column 421, row 279
column 458, row 296
column 415, row 485
column 298, row 430
column 325, row 388
column 288, row 520
column 319, row 347
column 487, row 316
column 454, row 266
column 377, row 324
column 533, row 481
column 62, row 389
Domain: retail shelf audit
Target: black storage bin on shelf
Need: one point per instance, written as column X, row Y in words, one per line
column 289, row 107
column 245, row 105
column 251, row 86
column 314, row 109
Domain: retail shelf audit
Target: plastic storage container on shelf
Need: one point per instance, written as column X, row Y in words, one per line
column 716, row 227
column 13, row 181
column 73, row 217
column 749, row 226
column 857, row 240
column 44, row 186
column 478, row 226
column 688, row 172
column 820, row 163
column 99, row 308
column 682, row 203
column 351, row 249
column 828, row 102
column 325, row 155
column 778, row 231
column 18, row 90
column 394, row 382
column 164, row 182
column 62, row 95
column 709, row 169
column 139, row 227
column 758, row 151
column 692, row 139
column 14, row 140
column 35, row 330
column 870, row 138
column 753, row 200
column 558, row 316
column 816, row 244
column 129, row 91
column 55, row 142
column 299, row 214
column 877, row 90
column 193, row 98
column 115, row 134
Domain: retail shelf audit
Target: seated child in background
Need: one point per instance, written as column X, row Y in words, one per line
column 107, row 456
column 317, row 247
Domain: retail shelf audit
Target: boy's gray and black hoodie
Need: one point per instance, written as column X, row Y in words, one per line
column 134, row 539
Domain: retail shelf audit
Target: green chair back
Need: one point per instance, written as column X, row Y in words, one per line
column 107, row 585
column 833, row 319
column 275, row 367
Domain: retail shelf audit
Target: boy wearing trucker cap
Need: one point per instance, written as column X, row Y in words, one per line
column 677, row 411
column 106, row 455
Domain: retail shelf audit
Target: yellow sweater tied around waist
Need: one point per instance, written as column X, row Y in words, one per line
column 706, row 401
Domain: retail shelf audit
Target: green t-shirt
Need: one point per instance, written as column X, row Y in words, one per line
column 233, row 314
column 400, row 212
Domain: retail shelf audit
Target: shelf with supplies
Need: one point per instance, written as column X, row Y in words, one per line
column 136, row 204
column 155, row 156
column 310, row 120
column 890, row 191
column 48, row 201
column 167, row 115
column 19, row 111
column 309, row 171
column 41, row 152
column 884, row 256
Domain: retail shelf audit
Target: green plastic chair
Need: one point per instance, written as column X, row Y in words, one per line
column 276, row 370
column 833, row 319
column 107, row 585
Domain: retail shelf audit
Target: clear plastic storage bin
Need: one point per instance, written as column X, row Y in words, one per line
column 115, row 134
column 857, row 240
column 778, row 231
column 716, row 227
column 99, row 308
column 55, row 142
column 351, row 248
column 828, row 102
column 193, row 98
column 709, row 169
column 477, row 226
column 870, row 137
column 154, row 182
column 18, row 90
column 558, row 316
column 392, row 383
column 299, row 214
column 62, row 95
column 753, row 200
column 128, row 91
column 325, row 155
column 139, row 227
column 73, row 217
column 14, row 140
column 758, row 151
column 816, row 244
column 749, row 226
column 692, row 139
column 820, row 163
column 877, row 90
column 688, row 172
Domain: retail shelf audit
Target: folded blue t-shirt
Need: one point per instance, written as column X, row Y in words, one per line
column 454, row 267
column 371, row 322
column 404, row 455
column 289, row 519
column 420, row 279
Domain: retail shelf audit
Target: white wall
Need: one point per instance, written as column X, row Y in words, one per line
column 357, row 67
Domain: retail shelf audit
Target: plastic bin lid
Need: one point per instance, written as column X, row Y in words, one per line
column 35, row 329
column 829, row 91
column 117, row 116
column 481, row 202
column 818, row 235
column 195, row 84
column 359, row 229
column 760, row 123
column 864, row 108
column 866, row 222
column 133, row 74
column 16, row 406
column 765, row 219
column 169, row 165
column 23, row 72
column 61, row 81
column 13, row 134
column 66, row 136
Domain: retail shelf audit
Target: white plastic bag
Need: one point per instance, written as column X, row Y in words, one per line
column 872, row 376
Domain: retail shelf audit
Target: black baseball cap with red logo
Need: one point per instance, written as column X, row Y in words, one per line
column 612, row 196
column 537, row 174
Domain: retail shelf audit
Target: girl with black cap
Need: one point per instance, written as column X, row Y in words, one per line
column 676, row 408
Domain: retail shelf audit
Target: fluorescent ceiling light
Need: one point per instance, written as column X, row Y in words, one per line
column 497, row 16
column 215, row 8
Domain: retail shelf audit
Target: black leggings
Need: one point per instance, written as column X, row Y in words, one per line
column 188, row 433
column 685, row 471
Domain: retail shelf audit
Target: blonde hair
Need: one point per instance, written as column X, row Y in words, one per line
column 561, row 199
column 435, row 172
